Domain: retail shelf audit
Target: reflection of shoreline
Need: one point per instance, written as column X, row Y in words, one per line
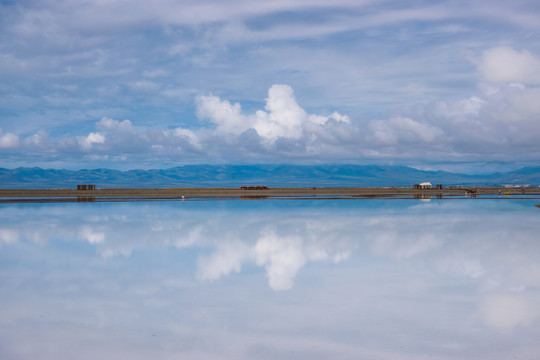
column 112, row 195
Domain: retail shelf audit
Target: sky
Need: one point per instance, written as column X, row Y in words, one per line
column 123, row 84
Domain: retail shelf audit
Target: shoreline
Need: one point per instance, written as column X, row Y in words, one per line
column 126, row 194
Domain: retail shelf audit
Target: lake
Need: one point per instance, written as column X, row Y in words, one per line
column 271, row 279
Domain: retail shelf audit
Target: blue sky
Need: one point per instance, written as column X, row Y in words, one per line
column 138, row 84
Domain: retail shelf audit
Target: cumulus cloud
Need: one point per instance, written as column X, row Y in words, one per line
column 226, row 116
column 117, row 140
column 39, row 140
column 114, row 125
column 283, row 117
column 66, row 65
column 8, row 140
column 87, row 142
column 186, row 135
column 500, row 125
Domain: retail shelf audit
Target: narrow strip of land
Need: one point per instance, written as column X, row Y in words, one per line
column 26, row 195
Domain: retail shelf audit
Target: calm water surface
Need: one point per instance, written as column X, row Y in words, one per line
column 272, row 279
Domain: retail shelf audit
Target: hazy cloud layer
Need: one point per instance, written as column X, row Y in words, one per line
column 121, row 83
column 501, row 125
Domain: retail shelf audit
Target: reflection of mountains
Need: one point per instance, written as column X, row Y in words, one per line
column 497, row 253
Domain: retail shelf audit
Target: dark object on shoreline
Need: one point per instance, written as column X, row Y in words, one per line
column 254, row 187
column 86, row 187
column 538, row 205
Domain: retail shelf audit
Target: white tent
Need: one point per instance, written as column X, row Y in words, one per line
column 425, row 185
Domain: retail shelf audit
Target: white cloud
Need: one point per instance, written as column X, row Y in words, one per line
column 114, row 125
column 66, row 65
column 8, row 140
column 93, row 237
column 282, row 257
column 8, row 236
column 458, row 110
column 227, row 259
column 39, row 140
column 283, row 117
column 339, row 118
column 506, row 65
column 188, row 135
column 503, row 125
column 87, row 142
column 225, row 115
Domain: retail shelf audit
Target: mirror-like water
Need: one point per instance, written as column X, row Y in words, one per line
column 273, row 279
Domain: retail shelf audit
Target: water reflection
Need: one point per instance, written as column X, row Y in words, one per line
column 378, row 279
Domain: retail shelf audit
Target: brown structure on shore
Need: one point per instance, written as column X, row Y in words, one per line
column 427, row 185
column 86, row 187
column 254, row 187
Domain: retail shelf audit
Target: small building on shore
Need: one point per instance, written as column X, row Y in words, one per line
column 86, row 187
column 254, row 187
column 424, row 185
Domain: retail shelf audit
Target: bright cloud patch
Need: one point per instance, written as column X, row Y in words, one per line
column 506, row 65
column 226, row 116
column 91, row 236
column 87, row 142
column 506, row 311
column 281, row 256
column 8, row 140
column 114, row 125
column 283, row 117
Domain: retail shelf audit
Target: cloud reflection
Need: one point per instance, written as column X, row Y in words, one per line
column 506, row 311
column 281, row 256
column 8, row 236
column 495, row 254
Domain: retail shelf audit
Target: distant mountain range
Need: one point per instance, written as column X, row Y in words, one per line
column 271, row 175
